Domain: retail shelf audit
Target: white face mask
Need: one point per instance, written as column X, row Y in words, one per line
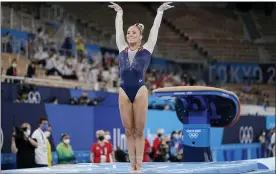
column 47, row 134
column 107, row 137
column 67, row 141
column 14, row 65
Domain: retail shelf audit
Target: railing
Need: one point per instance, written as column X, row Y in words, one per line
column 53, row 82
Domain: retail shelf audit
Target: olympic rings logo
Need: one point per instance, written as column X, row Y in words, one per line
column 246, row 134
column 193, row 135
column 34, row 97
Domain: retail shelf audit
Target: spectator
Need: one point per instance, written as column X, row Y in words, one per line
column 156, row 143
column 107, row 138
column 31, row 70
column 64, row 150
column 120, row 155
column 174, row 144
column 12, row 71
column 24, row 147
column 41, row 152
column 147, row 151
column 68, row 72
column 80, row 46
column 84, row 99
column 163, row 151
column 47, row 134
column 100, row 151
column 272, row 140
column 40, row 56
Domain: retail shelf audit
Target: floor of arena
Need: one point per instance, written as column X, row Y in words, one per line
column 251, row 166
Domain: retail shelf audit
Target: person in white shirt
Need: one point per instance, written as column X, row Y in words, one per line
column 41, row 56
column 41, row 152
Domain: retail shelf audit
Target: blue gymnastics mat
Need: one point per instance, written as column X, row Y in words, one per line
column 250, row 166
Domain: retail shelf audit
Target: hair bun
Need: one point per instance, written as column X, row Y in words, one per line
column 141, row 27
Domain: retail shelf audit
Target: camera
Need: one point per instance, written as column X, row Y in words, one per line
column 19, row 132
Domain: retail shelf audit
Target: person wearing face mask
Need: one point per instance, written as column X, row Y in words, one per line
column 24, row 147
column 107, row 138
column 12, row 71
column 156, row 143
column 64, row 150
column 174, row 144
column 100, row 151
column 41, row 152
column 47, row 134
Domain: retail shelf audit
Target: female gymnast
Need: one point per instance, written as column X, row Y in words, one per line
column 134, row 60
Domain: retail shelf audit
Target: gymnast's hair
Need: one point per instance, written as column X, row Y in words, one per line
column 140, row 27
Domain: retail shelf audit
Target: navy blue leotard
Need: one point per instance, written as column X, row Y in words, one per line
column 132, row 75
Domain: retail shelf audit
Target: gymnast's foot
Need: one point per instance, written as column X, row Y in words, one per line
column 139, row 166
column 133, row 168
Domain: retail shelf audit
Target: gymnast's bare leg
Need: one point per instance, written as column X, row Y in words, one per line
column 127, row 117
column 140, row 108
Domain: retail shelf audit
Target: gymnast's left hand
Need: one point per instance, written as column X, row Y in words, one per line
column 116, row 7
column 165, row 6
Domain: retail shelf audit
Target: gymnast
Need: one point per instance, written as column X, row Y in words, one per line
column 134, row 61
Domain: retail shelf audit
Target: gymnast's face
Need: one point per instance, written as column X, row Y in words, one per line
column 133, row 35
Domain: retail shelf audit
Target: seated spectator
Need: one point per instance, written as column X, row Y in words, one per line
column 31, row 70
column 101, row 151
column 40, row 56
column 64, row 151
column 68, row 72
column 12, row 71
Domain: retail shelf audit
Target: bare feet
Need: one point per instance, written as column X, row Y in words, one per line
column 133, row 167
column 139, row 166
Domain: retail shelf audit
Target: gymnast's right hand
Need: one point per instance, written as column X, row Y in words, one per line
column 116, row 7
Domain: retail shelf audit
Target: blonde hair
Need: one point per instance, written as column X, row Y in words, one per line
column 141, row 27
column 100, row 133
column 26, row 125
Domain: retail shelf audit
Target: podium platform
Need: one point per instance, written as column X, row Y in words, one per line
column 249, row 166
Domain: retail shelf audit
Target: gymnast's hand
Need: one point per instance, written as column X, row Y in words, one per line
column 116, row 7
column 165, row 6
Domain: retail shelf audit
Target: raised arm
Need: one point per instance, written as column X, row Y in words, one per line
column 120, row 37
column 150, row 44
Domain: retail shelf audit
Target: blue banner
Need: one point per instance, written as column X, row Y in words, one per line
column 245, row 131
column 242, row 72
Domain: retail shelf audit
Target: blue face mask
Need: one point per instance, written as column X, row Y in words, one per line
column 44, row 127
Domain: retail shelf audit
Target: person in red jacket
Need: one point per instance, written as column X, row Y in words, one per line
column 147, row 150
column 156, row 142
column 100, row 151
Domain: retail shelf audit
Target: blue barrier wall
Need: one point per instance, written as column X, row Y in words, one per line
column 81, row 122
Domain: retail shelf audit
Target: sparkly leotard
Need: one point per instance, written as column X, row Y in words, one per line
column 132, row 73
